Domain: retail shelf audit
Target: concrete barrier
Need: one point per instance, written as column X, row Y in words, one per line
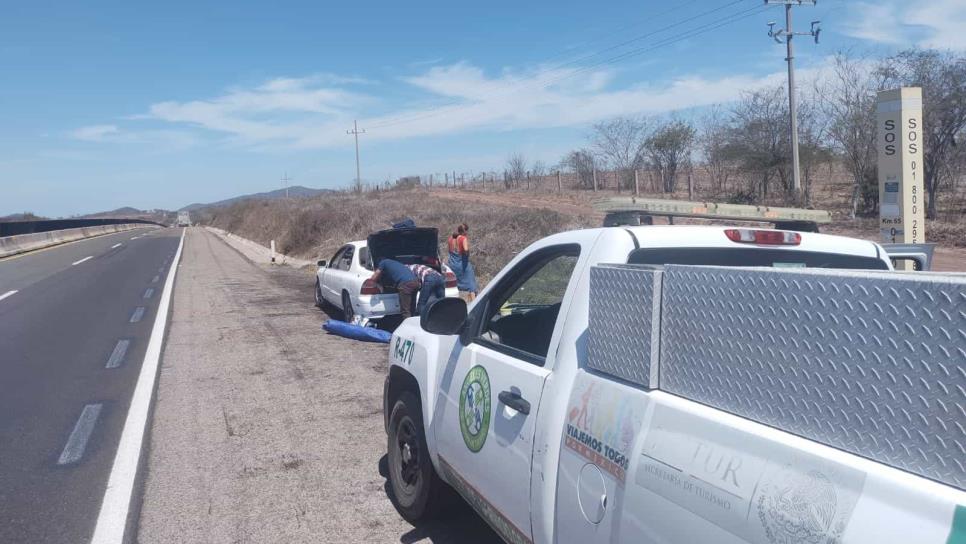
column 22, row 243
column 257, row 252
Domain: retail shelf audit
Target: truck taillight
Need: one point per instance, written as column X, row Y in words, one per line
column 764, row 237
column 450, row 279
column 370, row 287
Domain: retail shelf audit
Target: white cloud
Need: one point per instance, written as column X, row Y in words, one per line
column 923, row 23
column 311, row 113
column 95, row 133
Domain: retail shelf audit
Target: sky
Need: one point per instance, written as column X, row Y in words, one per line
column 159, row 105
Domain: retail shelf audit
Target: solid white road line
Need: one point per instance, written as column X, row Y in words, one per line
column 115, row 246
column 8, row 294
column 112, row 518
column 75, row 263
column 77, row 441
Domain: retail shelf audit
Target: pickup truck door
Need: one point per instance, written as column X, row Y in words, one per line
column 491, row 389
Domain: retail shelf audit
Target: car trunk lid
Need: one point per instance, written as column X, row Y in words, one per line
column 407, row 245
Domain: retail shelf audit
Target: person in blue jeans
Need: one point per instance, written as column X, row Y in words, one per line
column 432, row 285
column 403, row 279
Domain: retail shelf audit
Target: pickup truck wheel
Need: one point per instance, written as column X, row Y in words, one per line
column 415, row 485
column 347, row 312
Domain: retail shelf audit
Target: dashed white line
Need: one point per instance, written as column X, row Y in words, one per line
column 155, row 279
column 135, row 238
column 77, row 441
column 137, row 315
column 149, row 292
column 8, row 294
column 115, row 508
column 115, row 246
column 117, row 356
column 75, row 263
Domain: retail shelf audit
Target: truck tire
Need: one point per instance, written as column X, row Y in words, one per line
column 417, row 489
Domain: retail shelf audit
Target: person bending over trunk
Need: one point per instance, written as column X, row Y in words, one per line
column 399, row 275
column 432, row 285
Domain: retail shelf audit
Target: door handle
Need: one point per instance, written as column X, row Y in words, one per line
column 515, row 401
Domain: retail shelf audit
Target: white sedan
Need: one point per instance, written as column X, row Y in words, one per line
column 344, row 283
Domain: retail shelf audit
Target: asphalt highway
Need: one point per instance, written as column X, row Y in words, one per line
column 74, row 324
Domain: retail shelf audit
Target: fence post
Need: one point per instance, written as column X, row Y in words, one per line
column 559, row 186
column 484, row 181
column 690, row 187
column 446, row 179
column 637, row 187
column 595, row 179
column 528, row 180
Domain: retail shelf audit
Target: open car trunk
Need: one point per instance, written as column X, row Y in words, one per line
column 416, row 245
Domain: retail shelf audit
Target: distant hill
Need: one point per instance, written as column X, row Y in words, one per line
column 296, row 191
column 26, row 216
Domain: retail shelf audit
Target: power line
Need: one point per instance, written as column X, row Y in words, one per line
column 549, row 70
column 728, row 19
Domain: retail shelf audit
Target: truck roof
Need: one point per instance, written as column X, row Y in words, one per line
column 714, row 236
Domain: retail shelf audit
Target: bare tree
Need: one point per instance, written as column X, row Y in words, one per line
column 581, row 162
column 669, row 148
column 849, row 102
column 538, row 169
column 620, row 142
column 516, row 167
column 758, row 140
column 712, row 142
column 942, row 76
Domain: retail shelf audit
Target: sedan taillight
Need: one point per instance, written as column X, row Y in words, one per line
column 370, row 287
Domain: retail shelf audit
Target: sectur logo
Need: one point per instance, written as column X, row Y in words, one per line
column 475, row 408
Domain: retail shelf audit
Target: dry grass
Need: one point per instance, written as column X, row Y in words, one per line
column 315, row 227
column 504, row 221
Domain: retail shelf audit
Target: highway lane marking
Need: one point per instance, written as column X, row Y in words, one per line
column 115, row 507
column 137, row 315
column 117, row 356
column 155, row 279
column 75, row 263
column 148, row 293
column 8, row 294
column 115, row 246
column 77, row 441
column 135, row 238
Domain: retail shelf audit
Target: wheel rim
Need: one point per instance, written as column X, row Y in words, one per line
column 408, row 453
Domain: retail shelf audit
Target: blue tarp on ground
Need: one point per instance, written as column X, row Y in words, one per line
column 357, row 332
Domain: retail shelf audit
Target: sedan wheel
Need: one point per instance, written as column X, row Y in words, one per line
column 348, row 314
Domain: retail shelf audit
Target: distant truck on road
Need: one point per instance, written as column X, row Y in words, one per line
column 710, row 386
column 184, row 219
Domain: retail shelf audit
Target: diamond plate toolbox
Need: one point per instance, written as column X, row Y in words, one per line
column 623, row 322
column 874, row 364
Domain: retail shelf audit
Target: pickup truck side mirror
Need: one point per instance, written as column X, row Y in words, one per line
column 321, row 264
column 444, row 316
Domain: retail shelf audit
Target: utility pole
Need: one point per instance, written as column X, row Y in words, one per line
column 285, row 179
column 356, row 132
column 788, row 34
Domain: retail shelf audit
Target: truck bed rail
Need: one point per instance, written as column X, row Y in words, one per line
column 873, row 363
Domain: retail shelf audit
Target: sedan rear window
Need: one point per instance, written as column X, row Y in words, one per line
column 777, row 258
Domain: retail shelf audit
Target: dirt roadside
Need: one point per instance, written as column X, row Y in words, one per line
column 265, row 428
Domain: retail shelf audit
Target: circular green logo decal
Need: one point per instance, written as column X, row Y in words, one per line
column 475, row 408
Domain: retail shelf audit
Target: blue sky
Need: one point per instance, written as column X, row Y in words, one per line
column 110, row 104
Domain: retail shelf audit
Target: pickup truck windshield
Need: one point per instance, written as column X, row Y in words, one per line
column 777, row 258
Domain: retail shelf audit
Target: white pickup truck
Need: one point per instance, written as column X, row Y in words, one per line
column 674, row 398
